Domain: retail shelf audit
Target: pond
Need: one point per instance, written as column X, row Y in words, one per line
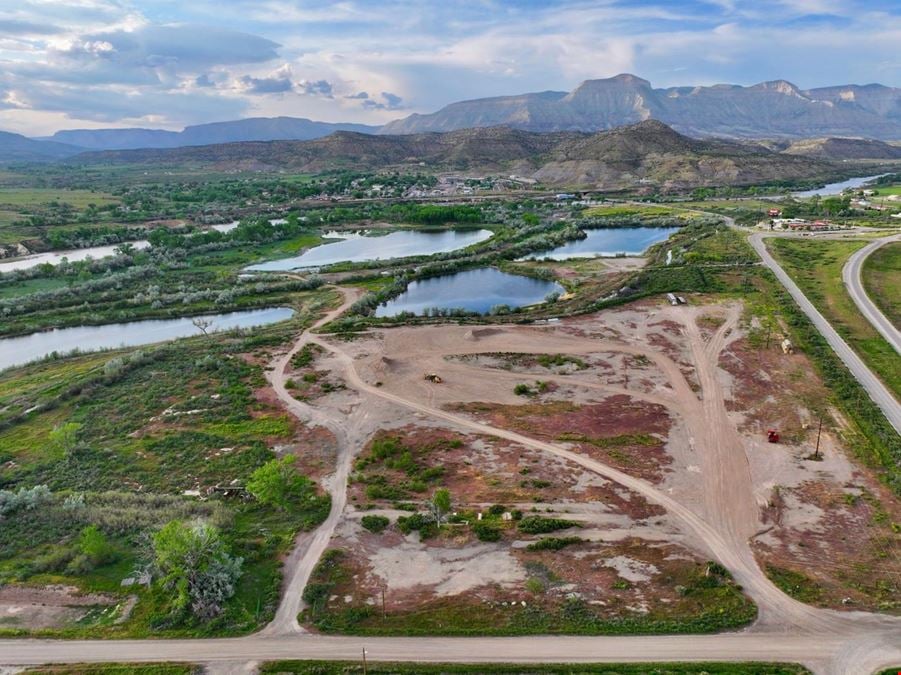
column 16, row 351
column 473, row 290
column 365, row 247
column 608, row 242
column 837, row 188
column 74, row 255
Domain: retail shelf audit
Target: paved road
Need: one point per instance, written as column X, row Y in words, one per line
column 872, row 384
column 851, row 275
column 816, row 652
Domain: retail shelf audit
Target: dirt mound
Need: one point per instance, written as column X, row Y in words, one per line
column 477, row 334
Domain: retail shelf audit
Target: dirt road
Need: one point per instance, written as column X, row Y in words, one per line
column 309, row 548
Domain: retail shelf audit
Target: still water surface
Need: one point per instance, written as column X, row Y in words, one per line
column 18, row 350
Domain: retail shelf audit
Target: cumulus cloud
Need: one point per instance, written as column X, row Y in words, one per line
column 388, row 101
column 360, row 95
column 184, row 46
column 322, row 88
column 277, row 82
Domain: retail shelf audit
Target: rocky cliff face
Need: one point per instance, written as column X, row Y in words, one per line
column 776, row 109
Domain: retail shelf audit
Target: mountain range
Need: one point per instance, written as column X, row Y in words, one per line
column 18, row 148
column 250, row 129
column 776, row 109
column 648, row 153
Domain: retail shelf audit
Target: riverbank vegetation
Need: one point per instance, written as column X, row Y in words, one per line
column 116, row 465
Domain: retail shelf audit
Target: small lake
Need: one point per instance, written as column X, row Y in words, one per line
column 225, row 227
column 473, row 290
column 16, row 351
column 837, row 188
column 364, row 248
column 56, row 257
column 608, row 242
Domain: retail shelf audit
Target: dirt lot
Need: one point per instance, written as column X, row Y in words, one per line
column 830, row 528
column 55, row 606
column 676, row 396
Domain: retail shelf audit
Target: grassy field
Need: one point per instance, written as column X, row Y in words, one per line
column 882, row 280
column 117, row 669
column 15, row 289
column 379, row 668
column 816, row 266
column 621, row 210
column 27, row 198
column 884, row 190
column 18, row 205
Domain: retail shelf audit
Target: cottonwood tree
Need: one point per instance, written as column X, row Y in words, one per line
column 440, row 505
column 193, row 562
column 277, row 483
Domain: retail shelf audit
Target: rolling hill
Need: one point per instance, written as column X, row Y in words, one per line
column 18, row 148
column 645, row 153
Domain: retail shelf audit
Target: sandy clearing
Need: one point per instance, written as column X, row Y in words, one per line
column 451, row 571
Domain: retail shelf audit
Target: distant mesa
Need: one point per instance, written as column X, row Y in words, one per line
column 777, row 109
column 847, row 120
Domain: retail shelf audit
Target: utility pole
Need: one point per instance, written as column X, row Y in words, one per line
column 816, row 452
column 364, row 660
column 384, row 615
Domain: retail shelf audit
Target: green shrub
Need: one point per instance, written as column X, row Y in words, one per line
column 539, row 525
column 375, row 524
column 418, row 522
column 486, row 531
column 94, row 546
column 553, row 543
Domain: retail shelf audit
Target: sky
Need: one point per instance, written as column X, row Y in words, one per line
column 171, row 63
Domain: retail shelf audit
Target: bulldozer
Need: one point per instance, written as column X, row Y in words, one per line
column 432, row 377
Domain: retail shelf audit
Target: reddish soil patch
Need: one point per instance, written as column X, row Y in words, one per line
column 772, row 389
column 615, row 431
column 480, row 471
column 315, row 448
column 851, row 552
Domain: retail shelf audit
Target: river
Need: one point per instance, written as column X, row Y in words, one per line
column 16, row 351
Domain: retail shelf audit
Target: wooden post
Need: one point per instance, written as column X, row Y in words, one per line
column 816, row 452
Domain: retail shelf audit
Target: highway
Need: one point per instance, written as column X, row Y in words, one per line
column 851, row 275
column 874, row 387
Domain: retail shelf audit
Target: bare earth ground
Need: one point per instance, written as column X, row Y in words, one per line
column 55, row 606
column 713, row 480
column 659, row 360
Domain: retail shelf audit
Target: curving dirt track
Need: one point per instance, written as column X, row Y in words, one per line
column 825, row 640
